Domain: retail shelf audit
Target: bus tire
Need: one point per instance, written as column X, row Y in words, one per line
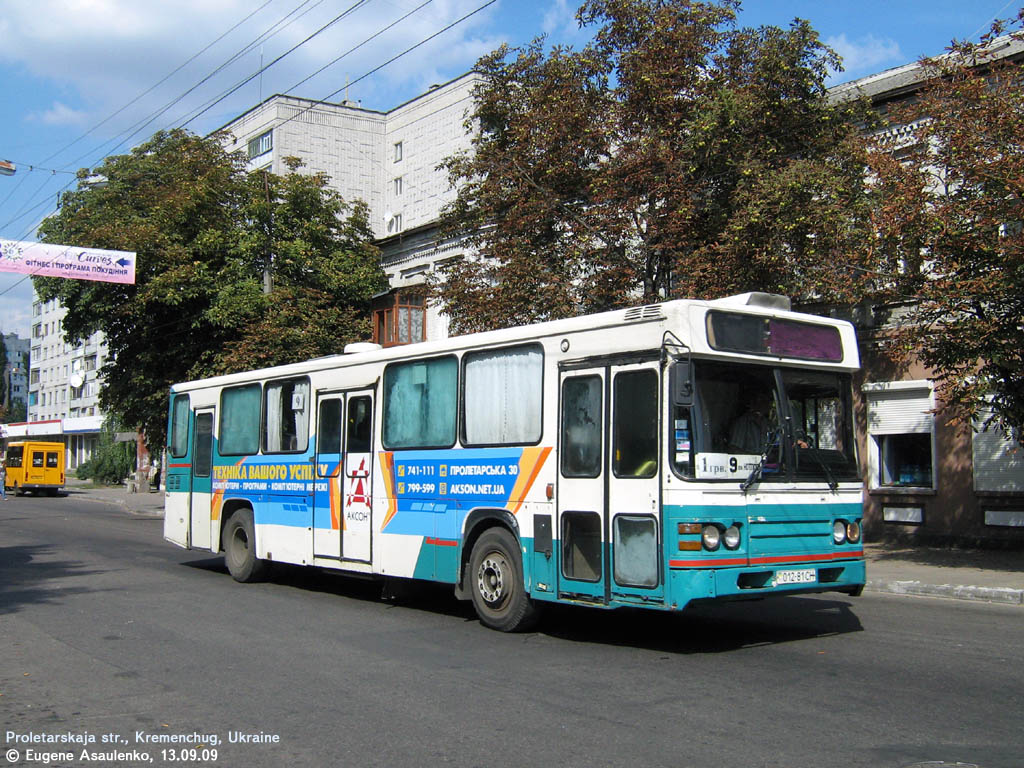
column 240, row 548
column 496, row 583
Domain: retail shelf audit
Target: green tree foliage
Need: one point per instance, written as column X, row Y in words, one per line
column 950, row 210
column 204, row 231
column 675, row 155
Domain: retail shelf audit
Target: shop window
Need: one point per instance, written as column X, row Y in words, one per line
column 400, row 319
column 905, row 460
column 901, row 434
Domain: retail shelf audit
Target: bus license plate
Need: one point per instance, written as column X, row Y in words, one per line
column 803, row 576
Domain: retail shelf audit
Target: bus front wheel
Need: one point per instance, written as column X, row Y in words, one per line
column 496, row 573
column 240, row 548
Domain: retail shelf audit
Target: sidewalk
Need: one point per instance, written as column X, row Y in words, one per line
column 142, row 503
column 968, row 574
column 964, row 574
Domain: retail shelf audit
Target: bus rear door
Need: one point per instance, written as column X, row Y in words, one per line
column 344, row 460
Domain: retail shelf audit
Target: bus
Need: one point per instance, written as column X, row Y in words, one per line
column 651, row 457
column 34, row 466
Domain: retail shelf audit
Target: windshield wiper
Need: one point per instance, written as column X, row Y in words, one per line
column 833, row 484
column 756, row 472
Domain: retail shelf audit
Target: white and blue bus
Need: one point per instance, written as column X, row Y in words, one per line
column 649, row 457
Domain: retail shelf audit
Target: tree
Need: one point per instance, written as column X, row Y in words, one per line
column 950, row 211
column 204, row 231
column 675, row 155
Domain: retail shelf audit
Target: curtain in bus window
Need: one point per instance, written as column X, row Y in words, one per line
column 420, row 400
column 240, row 421
column 287, row 415
column 503, row 397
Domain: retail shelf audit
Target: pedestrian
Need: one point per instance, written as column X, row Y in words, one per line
column 3, row 480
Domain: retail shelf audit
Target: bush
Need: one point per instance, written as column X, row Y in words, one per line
column 111, row 462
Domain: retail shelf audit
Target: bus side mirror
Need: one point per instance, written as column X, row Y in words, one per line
column 680, row 381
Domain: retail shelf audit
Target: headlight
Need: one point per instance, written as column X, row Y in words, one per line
column 853, row 532
column 731, row 537
column 711, row 537
column 839, row 532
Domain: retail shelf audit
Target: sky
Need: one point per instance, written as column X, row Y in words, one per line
column 85, row 79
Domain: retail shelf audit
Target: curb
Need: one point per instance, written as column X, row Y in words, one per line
column 1003, row 595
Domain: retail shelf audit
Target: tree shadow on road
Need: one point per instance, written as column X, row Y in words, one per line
column 28, row 576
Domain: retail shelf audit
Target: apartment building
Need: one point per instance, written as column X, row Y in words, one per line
column 15, row 373
column 387, row 159
column 63, row 385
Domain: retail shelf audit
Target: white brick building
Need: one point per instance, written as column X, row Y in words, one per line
column 63, row 385
column 387, row 159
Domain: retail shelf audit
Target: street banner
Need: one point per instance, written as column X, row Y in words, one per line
column 48, row 260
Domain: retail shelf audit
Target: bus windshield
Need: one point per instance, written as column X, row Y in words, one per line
column 786, row 424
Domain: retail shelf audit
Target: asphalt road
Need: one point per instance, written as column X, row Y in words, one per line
column 107, row 631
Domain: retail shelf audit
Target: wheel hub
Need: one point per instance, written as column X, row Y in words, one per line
column 490, row 578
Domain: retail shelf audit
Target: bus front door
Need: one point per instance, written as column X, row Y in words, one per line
column 343, row 494
column 608, row 489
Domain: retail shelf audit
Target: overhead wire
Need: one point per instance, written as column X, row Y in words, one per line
column 360, row 78
column 276, row 27
column 351, row 9
column 133, row 130
column 160, row 82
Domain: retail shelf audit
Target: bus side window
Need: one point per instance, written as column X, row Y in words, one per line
column 37, row 460
column 328, row 439
column 179, row 427
column 581, row 426
column 357, row 440
column 51, row 459
column 635, row 433
column 15, row 454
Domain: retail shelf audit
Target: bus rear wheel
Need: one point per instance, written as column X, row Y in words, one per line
column 496, row 574
column 240, row 548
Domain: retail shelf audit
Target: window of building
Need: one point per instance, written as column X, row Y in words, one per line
column 287, row 416
column 502, row 396
column 397, row 185
column 998, row 459
column 395, row 224
column 420, row 403
column 261, row 144
column 901, row 434
column 400, row 318
column 398, row 151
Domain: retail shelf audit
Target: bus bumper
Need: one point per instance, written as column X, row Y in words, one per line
column 748, row 582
